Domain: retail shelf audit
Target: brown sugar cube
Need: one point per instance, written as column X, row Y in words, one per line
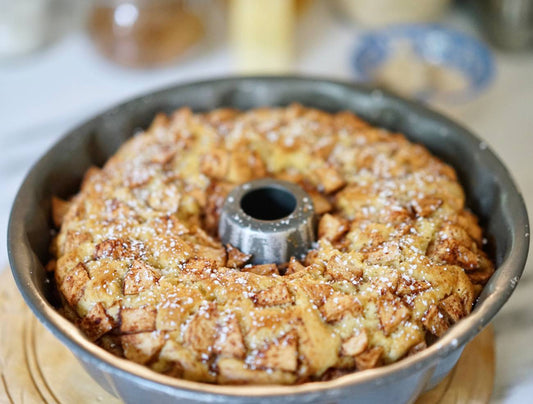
column 369, row 359
column 391, row 312
column 384, row 285
column 215, row 197
column 410, row 286
column 449, row 251
column 317, row 292
column 395, row 215
column 480, row 277
column 96, row 323
column 118, row 210
column 294, row 266
column 236, row 258
column 215, row 164
column 59, row 210
column 337, row 305
column 435, row 322
column 111, row 248
column 264, row 269
column 330, row 179
column 175, row 307
column 423, row 207
column 200, row 267
column 200, row 333
column 229, row 342
column 205, row 239
column 282, row 355
column 356, row 344
column 142, row 347
column 216, row 254
column 320, row 203
column 141, row 319
column 275, row 295
column 332, row 227
column 139, row 277
column 234, row 371
column 454, row 246
column 343, row 270
column 166, row 199
column 386, row 252
column 484, row 270
column 137, row 176
column 168, row 225
column 468, row 221
column 452, row 306
column 73, row 286
column 74, row 239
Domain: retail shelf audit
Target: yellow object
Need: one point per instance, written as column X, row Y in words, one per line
column 262, row 35
column 379, row 13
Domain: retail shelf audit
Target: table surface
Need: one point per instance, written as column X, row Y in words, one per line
column 45, row 94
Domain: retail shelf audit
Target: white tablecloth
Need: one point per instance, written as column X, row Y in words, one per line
column 45, row 94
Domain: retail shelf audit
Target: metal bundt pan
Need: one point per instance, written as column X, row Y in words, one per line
column 270, row 219
column 491, row 193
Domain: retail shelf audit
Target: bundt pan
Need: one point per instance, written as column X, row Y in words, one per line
column 491, row 194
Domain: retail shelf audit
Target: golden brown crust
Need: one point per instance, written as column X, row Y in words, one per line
column 236, row 258
column 142, row 347
column 398, row 259
column 73, row 286
column 356, row 344
column 139, row 277
column 96, row 322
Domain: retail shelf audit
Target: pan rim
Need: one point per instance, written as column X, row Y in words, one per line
column 21, row 256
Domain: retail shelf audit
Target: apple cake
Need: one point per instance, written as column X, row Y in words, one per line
column 139, row 266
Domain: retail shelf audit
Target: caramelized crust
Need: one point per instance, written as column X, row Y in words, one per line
column 137, row 257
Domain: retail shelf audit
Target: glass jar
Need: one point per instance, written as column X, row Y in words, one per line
column 145, row 33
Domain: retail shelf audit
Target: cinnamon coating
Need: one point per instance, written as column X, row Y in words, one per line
column 398, row 261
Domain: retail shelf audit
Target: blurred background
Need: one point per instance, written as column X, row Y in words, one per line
column 62, row 61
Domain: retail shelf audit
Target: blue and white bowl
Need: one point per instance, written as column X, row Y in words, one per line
column 432, row 44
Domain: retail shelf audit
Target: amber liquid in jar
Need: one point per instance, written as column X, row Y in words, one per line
column 144, row 33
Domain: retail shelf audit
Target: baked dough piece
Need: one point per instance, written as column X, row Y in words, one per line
column 398, row 261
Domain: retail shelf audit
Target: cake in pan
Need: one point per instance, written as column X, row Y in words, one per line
column 141, row 270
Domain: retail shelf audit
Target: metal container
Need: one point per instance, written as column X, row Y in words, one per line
column 508, row 23
column 271, row 219
column 491, row 194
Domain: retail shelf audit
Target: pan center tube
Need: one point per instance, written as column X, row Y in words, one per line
column 270, row 219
